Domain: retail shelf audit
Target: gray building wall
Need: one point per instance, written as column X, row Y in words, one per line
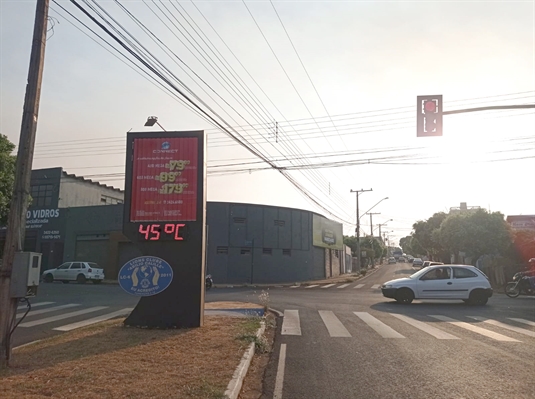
column 76, row 191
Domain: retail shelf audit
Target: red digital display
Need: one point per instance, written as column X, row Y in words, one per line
column 154, row 232
column 164, row 179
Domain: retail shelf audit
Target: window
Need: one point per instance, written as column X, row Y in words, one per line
column 64, row 266
column 76, row 265
column 287, row 252
column 267, row 251
column 222, row 250
column 280, row 223
column 42, row 195
column 245, row 251
column 107, row 200
column 239, row 220
column 440, row 273
column 463, row 273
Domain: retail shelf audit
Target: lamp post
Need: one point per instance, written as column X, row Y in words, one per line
column 153, row 120
column 357, row 229
column 385, row 198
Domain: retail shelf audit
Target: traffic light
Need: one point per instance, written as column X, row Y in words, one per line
column 429, row 116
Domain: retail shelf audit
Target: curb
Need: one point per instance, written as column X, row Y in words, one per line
column 235, row 385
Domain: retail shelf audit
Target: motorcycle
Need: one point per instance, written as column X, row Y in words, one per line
column 209, row 282
column 521, row 284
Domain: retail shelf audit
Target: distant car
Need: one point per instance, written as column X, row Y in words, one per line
column 401, row 259
column 461, row 282
column 428, row 263
column 391, row 260
column 417, row 262
column 410, row 259
column 75, row 271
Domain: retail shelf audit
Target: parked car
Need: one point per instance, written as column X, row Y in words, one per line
column 417, row 262
column 431, row 263
column 74, row 271
column 401, row 259
column 460, row 282
column 391, row 260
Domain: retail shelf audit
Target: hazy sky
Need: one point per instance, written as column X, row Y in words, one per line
column 368, row 60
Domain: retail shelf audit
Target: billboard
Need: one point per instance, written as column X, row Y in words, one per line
column 326, row 233
column 164, row 179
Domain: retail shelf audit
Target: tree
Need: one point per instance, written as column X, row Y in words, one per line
column 423, row 233
column 7, row 176
column 405, row 244
column 351, row 242
column 475, row 233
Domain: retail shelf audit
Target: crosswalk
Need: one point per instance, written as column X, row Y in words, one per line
column 49, row 314
column 387, row 326
column 338, row 286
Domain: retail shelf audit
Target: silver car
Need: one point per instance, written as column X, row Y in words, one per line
column 81, row 272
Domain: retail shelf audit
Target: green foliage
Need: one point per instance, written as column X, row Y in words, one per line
column 424, row 239
column 405, row 244
column 351, row 242
column 373, row 246
column 7, row 176
column 475, row 233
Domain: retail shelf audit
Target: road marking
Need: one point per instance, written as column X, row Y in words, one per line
column 524, row 321
column 343, row 286
column 34, row 305
column 83, row 323
column 375, row 286
column 506, row 326
column 328, row 286
column 312, row 286
column 295, row 286
column 48, row 310
column 333, row 324
column 476, row 329
column 290, row 323
column 382, row 329
column 279, row 380
column 435, row 332
column 61, row 316
column 359, row 286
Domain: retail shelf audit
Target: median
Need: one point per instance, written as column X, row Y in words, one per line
column 108, row 360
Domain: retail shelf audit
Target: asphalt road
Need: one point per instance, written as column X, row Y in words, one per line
column 386, row 350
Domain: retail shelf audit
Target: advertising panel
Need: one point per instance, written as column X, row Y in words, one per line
column 164, row 179
column 326, row 233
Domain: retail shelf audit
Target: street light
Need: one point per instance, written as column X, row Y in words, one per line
column 153, row 120
column 382, row 224
column 385, row 198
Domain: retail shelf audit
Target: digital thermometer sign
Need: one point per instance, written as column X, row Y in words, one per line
column 159, row 231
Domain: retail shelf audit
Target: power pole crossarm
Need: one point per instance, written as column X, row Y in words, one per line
column 19, row 203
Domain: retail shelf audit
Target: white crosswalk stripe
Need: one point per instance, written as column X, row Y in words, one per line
column 503, row 325
column 291, row 325
column 295, row 286
column 343, row 286
column 61, row 316
column 435, row 332
column 359, row 285
column 83, row 323
column 476, row 329
column 382, row 329
column 375, row 286
column 312, row 286
column 47, row 310
column 328, row 286
column 333, row 324
column 524, row 321
column 35, row 305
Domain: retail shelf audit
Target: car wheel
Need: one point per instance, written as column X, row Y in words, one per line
column 96, row 281
column 478, row 298
column 65, row 281
column 404, row 295
column 80, row 279
column 49, row 278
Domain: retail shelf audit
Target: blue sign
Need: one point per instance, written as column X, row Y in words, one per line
column 145, row 276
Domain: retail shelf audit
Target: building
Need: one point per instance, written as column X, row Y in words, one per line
column 53, row 192
column 246, row 243
column 463, row 208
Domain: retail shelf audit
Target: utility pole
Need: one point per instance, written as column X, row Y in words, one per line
column 371, row 221
column 357, row 229
column 16, row 224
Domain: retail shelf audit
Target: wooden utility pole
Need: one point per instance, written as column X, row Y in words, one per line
column 16, row 224
column 357, row 229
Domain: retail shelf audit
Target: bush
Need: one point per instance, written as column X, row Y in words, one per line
column 363, row 271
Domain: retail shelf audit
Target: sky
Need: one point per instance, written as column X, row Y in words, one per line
column 330, row 86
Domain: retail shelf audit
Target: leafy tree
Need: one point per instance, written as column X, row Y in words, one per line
column 351, row 242
column 423, row 234
column 373, row 246
column 405, row 244
column 7, row 176
column 475, row 233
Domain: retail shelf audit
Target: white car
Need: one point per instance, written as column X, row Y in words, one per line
column 460, row 282
column 74, row 271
